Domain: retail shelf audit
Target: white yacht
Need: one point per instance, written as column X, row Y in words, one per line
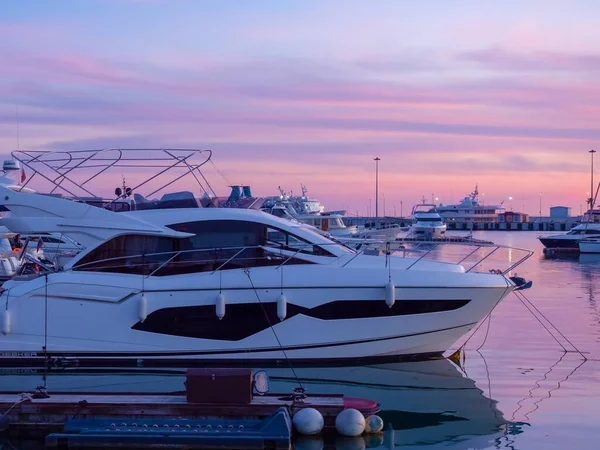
column 588, row 228
column 427, row 222
column 470, row 211
column 215, row 284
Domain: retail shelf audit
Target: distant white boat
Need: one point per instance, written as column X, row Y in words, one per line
column 428, row 222
column 470, row 211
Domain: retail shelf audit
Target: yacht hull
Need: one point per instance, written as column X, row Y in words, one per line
column 92, row 322
column 560, row 242
column 429, row 232
column 589, row 246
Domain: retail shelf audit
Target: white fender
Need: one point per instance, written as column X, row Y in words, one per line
column 281, row 307
column 6, row 323
column 142, row 308
column 220, row 306
column 390, row 294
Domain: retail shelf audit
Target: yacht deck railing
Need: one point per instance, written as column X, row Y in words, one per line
column 217, row 259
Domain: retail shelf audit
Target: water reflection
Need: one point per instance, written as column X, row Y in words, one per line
column 425, row 403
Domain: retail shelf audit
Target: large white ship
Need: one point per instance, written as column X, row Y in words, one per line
column 470, row 211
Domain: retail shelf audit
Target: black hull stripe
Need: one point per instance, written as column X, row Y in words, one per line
column 14, row 355
column 560, row 243
column 39, row 366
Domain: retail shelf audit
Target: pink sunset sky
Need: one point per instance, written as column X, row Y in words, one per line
column 504, row 95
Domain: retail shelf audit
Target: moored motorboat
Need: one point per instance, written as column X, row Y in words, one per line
column 427, row 222
column 213, row 284
column 224, row 285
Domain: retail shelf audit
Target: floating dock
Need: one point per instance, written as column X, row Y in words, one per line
column 172, row 420
column 444, row 240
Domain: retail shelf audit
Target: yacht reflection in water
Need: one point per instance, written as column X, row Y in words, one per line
column 427, row 403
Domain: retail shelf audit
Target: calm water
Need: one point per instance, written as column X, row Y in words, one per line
column 516, row 388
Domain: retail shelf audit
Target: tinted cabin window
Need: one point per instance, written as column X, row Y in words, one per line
column 51, row 240
column 223, row 245
column 286, row 241
column 129, row 254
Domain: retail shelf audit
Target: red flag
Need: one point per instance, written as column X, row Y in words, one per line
column 23, row 175
column 39, row 244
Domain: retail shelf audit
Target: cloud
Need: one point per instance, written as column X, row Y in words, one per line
column 435, row 117
column 533, row 61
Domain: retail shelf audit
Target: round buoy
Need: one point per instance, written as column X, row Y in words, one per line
column 308, row 421
column 350, row 422
column 373, row 424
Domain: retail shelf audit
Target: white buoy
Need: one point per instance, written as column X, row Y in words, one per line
column 350, row 422
column 390, row 294
column 220, row 306
column 281, row 307
column 373, row 424
column 142, row 308
column 308, row 421
column 5, row 321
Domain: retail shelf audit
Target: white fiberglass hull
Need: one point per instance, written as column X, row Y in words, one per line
column 428, row 231
column 589, row 246
column 332, row 313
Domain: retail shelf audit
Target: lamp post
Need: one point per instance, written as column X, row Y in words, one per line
column 540, row 205
column 377, row 186
column 591, row 200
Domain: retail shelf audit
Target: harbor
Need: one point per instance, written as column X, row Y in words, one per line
column 148, row 261
column 299, row 226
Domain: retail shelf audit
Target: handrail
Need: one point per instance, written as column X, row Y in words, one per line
column 519, row 262
column 155, row 258
column 165, row 263
column 229, row 260
column 422, row 256
column 482, row 259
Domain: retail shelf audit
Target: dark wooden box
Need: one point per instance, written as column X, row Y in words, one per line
column 204, row 385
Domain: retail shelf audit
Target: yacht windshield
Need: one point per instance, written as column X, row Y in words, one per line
column 327, row 241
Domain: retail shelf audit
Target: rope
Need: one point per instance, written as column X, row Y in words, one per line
column 477, row 328
column 247, row 272
column 24, row 398
column 524, row 299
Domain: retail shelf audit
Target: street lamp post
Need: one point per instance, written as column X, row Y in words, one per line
column 540, row 205
column 591, row 200
column 377, row 186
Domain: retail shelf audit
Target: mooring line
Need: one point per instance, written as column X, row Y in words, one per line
column 247, row 272
column 524, row 299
